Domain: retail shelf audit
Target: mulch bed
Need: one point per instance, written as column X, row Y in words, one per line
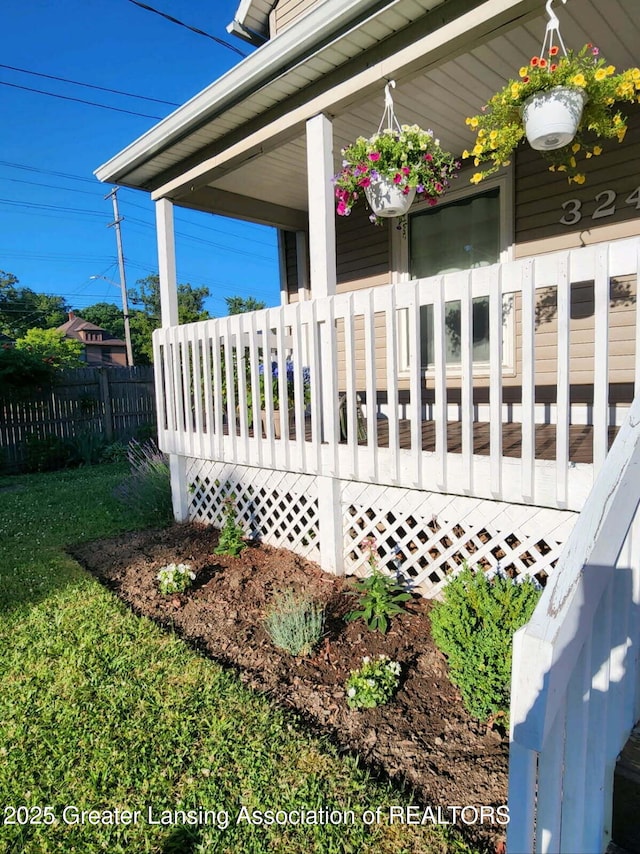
column 422, row 740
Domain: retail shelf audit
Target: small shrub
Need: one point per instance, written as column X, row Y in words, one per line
column 85, row 448
column 474, row 628
column 295, row 623
column 116, row 452
column 45, row 453
column 372, row 684
column 147, row 490
column 175, row 578
column 231, row 540
column 381, row 596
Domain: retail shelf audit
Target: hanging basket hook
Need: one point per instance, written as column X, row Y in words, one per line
column 553, row 28
column 388, row 116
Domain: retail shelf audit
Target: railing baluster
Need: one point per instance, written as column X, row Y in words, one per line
column 440, row 384
column 601, row 361
column 496, row 326
column 415, row 384
column 562, row 402
column 371, row 385
column 391, row 327
column 466, row 383
column 350, row 388
column 528, row 451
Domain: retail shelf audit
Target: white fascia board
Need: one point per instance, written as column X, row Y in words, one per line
column 246, row 11
column 240, row 80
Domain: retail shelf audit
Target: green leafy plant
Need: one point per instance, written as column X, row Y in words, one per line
column 500, row 128
column 231, row 540
column 175, row 578
column 295, row 623
column 115, row 452
column 45, row 453
column 147, row 491
column 407, row 155
column 474, row 628
column 372, row 684
column 381, row 596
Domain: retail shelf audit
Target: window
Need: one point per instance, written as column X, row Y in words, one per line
column 458, row 235
column 469, row 231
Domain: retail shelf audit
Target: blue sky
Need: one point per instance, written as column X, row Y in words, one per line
column 55, row 237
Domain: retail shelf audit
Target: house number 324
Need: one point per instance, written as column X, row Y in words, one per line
column 606, row 206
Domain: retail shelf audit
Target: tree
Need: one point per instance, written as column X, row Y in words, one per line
column 147, row 318
column 22, row 309
column 240, row 305
column 52, row 348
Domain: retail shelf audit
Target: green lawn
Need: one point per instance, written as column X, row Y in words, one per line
column 101, row 710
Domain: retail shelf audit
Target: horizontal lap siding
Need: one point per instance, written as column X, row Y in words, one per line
column 288, row 11
column 363, row 252
column 540, row 195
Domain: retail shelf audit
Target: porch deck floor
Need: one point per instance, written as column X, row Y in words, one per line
column 580, row 438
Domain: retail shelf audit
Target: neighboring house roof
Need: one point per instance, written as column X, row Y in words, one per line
column 251, row 21
column 76, row 327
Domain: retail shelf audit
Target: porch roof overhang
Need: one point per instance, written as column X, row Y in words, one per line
column 242, row 140
column 251, row 21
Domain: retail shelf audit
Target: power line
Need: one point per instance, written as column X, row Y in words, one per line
column 79, row 100
column 52, row 186
column 186, row 26
column 49, row 172
column 35, row 205
column 89, row 85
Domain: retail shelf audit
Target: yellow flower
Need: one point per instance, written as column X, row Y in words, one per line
column 600, row 74
column 572, row 162
column 515, row 90
column 579, row 179
column 493, row 135
column 578, row 80
column 597, row 149
column 635, row 73
column 472, row 122
column 476, row 178
column 611, row 69
column 575, row 147
column 507, row 163
column 465, row 154
column 482, row 133
column 476, row 161
column 552, row 168
column 523, row 71
column 562, row 168
column 621, row 134
column 588, row 155
column 477, row 149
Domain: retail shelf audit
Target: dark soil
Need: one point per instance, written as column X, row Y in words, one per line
column 423, row 739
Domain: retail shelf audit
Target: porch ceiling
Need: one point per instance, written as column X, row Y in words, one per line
column 442, row 97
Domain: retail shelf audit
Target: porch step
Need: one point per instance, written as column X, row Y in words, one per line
column 626, row 796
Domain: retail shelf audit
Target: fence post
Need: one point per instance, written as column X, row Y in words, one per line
column 330, row 525
column 105, row 399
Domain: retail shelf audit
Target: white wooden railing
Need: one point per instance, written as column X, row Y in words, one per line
column 351, row 345
column 576, row 668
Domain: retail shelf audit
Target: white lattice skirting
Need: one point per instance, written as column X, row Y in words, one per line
column 422, row 535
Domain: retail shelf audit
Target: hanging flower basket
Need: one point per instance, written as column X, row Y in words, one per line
column 583, row 84
column 393, row 167
column 551, row 118
column 387, row 199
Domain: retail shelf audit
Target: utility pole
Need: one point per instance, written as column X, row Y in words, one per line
column 117, row 219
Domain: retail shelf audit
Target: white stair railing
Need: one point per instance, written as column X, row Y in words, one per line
column 575, row 687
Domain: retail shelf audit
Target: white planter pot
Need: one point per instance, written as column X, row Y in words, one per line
column 387, row 199
column 551, row 118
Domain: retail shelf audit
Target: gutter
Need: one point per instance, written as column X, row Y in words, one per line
column 252, row 73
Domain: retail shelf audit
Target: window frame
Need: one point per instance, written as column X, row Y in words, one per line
column 401, row 274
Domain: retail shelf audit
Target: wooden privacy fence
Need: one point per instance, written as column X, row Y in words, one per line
column 113, row 403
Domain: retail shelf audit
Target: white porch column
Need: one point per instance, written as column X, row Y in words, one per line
column 169, row 317
column 322, row 223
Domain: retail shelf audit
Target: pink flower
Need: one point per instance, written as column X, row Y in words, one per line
column 374, row 155
column 428, row 157
column 439, row 187
column 397, row 178
column 406, row 170
column 365, row 182
column 342, row 209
